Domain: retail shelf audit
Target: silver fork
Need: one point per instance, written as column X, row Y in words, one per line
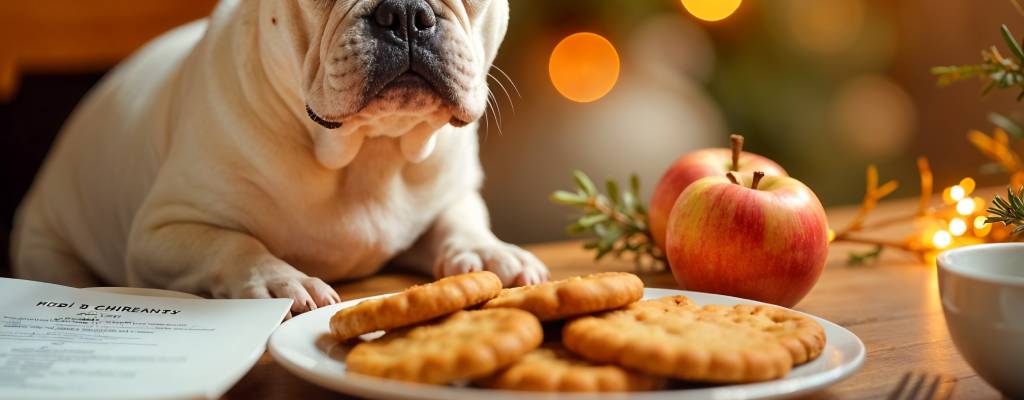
column 921, row 386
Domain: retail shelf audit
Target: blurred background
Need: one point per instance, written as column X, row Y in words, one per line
column 823, row 87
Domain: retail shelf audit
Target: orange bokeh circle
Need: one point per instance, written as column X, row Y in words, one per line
column 584, row 67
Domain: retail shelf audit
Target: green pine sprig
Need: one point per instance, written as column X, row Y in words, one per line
column 871, row 256
column 999, row 71
column 616, row 221
column 1009, row 211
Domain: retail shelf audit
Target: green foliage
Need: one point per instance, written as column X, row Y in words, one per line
column 1009, row 211
column 998, row 71
column 1003, row 73
column 615, row 221
column 858, row 259
column 1011, row 127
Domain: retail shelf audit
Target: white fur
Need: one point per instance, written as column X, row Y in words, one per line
column 193, row 166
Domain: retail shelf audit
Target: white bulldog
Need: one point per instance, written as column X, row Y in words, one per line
column 278, row 145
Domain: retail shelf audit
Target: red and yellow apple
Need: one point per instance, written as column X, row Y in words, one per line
column 748, row 235
column 697, row 165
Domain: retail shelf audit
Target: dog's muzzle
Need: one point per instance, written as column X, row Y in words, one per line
column 408, row 55
column 410, row 44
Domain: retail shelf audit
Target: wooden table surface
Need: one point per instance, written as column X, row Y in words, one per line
column 893, row 306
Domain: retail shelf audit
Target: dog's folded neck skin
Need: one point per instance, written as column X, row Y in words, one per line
column 286, row 35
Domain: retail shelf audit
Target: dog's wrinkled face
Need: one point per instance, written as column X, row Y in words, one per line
column 409, row 62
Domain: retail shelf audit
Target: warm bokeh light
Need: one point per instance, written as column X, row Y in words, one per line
column 873, row 116
column 942, row 239
column 979, row 222
column 711, row 10
column 831, row 235
column 967, row 184
column 826, row 27
column 584, row 67
column 965, row 206
column 980, row 203
column 957, row 192
column 957, row 226
column 981, row 229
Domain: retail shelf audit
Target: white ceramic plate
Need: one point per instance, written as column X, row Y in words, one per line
column 303, row 345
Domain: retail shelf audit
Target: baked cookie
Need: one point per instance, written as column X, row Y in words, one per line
column 465, row 345
column 801, row 335
column 574, row 296
column 551, row 368
column 675, row 338
column 416, row 304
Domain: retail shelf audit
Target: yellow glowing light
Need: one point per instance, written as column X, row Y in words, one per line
column 711, row 10
column 584, row 67
column 980, row 203
column 979, row 222
column 965, row 207
column 957, row 193
column 968, row 185
column 942, row 239
column 981, row 229
column 946, row 197
column 957, row 226
column 831, row 235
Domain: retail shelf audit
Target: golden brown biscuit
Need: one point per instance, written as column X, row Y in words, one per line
column 551, row 368
column 672, row 337
column 416, row 304
column 465, row 345
column 801, row 335
column 573, row 296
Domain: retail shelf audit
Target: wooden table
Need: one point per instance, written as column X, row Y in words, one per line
column 893, row 306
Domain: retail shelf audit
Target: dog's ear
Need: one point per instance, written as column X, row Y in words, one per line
column 495, row 13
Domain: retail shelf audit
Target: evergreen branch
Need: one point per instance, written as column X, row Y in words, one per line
column 1009, row 211
column 997, row 71
column 615, row 221
column 871, row 256
column 1012, row 127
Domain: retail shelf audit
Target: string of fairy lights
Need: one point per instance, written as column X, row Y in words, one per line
column 966, row 219
column 961, row 220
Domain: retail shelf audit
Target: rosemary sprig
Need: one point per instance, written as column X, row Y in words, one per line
column 616, row 221
column 999, row 71
column 1009, row 211
column 856, row 259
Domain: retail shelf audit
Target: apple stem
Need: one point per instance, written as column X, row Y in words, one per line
column 757, row 179
column 737, row 148
column 732, row 178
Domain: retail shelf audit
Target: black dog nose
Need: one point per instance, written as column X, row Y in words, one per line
column 405, row 18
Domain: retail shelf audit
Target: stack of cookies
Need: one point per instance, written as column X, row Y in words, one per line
column 583, row 334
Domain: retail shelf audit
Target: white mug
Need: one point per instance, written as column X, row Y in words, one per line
column 982, row 291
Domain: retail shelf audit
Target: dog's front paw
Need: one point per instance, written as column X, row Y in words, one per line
column 307, row 293
column 515, row 266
